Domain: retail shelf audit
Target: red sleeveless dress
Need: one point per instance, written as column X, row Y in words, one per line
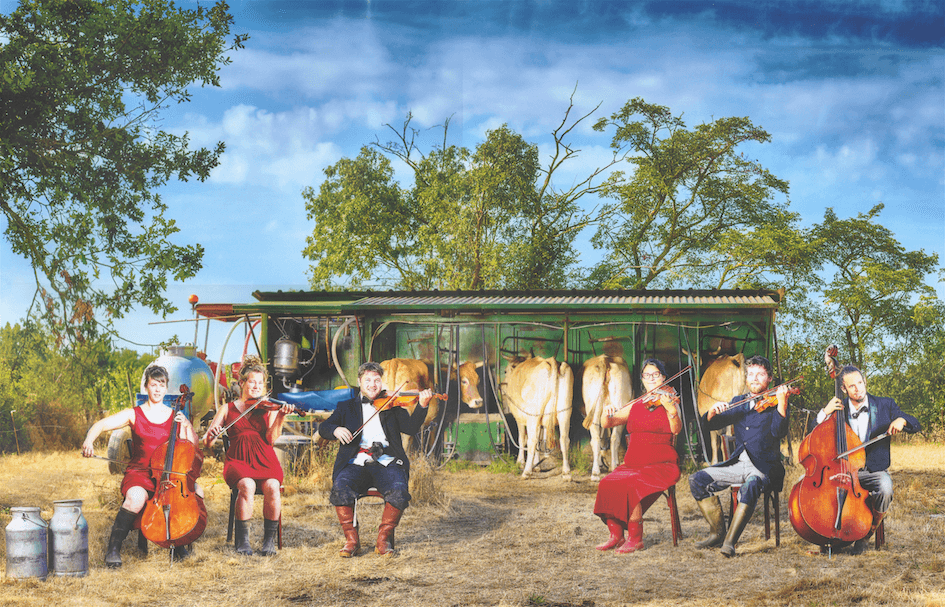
column 147, row 436
column 649, row 467
column 250, row 455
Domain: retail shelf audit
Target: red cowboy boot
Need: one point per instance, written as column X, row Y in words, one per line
column 385, row 531
column 352, row 541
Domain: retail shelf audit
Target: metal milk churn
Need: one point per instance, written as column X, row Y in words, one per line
column 68, row 539
column 26, row 544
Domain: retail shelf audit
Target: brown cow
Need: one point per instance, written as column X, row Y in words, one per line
column 538, row 392
column 606, row 381
column 722, row 380
column 416, row 374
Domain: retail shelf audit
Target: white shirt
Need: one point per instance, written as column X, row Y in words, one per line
column 372, row 432
column 859, row 424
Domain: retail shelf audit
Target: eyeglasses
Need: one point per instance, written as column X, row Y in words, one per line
column 652, row 375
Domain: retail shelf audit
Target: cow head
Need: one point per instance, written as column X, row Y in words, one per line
column 469, row 383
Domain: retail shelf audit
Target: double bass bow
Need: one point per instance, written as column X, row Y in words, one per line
column 828, row 506
column 176, row 515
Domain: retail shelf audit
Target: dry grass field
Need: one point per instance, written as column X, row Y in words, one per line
column 479, row 538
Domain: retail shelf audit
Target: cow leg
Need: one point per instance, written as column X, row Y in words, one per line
column 522, row 436
column 532, row 433
column 615, row 436
column 564, row 425
column 596, row 432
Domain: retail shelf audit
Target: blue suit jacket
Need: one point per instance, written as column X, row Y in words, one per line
column 758, row 433
column 394, row 421
column 882, row 413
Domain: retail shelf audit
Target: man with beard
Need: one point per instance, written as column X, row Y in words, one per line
column 376, row 459
column 755, row 462
column 870, row 416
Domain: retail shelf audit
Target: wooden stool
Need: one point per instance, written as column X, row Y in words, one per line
column 881, row 534
column 673, row 514
column 770, row 496
column 372, row 492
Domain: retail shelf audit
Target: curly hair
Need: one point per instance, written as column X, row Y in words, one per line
column 253, row 364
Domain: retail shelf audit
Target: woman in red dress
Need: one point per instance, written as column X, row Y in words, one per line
column 649, row 467
column 150, row 428
column 251, row 459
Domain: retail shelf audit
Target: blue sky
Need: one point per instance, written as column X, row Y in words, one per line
column 851, row 92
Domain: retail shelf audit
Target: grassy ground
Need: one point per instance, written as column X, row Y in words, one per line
column 474, row 537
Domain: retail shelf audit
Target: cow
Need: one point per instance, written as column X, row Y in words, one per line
column 537, row 392
column 415, row 375
column 605, row 381
column 721, row 381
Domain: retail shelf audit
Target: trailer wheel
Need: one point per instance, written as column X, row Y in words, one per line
column 119, row 450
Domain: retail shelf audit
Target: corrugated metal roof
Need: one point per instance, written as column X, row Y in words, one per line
column 654, row 299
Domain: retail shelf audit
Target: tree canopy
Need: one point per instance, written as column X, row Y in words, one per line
column 471, row 219
column 82, row 87
column 692, row 199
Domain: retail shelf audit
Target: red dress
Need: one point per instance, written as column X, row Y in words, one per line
column 649, row 467
column 250, row 455
column 146, row 436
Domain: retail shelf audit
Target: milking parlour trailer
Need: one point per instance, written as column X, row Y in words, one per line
column 313, row 342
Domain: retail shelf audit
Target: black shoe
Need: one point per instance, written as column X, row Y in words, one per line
column 179, row 553
column 859, row 546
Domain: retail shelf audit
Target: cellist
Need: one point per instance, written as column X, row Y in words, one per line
column 150, row 425
column 756, row 461
column 870, row 416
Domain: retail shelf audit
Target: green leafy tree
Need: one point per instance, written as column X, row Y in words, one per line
column 695, row 211
column 877, row 292
column 471, row 219
column 82, row 86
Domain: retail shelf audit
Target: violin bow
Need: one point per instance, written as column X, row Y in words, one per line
column 662, row 385
column 243, row 414
column 864, row 445
column 764, row 394
column 379, row 409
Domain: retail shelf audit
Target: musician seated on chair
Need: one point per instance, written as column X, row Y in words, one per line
column 650, row 465
column 150, row 425
column 251, row 458
column 371, row 454
column 755, row 463
column 870, row 416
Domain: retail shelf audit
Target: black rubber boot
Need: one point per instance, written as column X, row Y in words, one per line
column 123, row 523
column 241, row 538
column 270, row 534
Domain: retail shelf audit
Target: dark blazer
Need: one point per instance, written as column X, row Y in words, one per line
column 758, row 433
column 394, row 421
column 882, row 413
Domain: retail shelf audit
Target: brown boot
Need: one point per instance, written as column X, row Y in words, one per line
column 385, row 532
column 616, row 535
column 352, row 541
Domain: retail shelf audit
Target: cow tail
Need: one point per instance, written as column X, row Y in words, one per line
column 594, row 410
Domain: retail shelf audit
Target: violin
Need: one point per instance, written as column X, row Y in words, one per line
column 176, row 515
column 404, row 398
column 828, row 505
column 652, row 398
column 766, row 399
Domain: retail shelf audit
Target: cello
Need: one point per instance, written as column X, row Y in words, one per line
column 176, row 515
column 828, row 506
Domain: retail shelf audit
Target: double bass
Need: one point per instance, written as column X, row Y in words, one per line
column 176, row 515
column 828, row 506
